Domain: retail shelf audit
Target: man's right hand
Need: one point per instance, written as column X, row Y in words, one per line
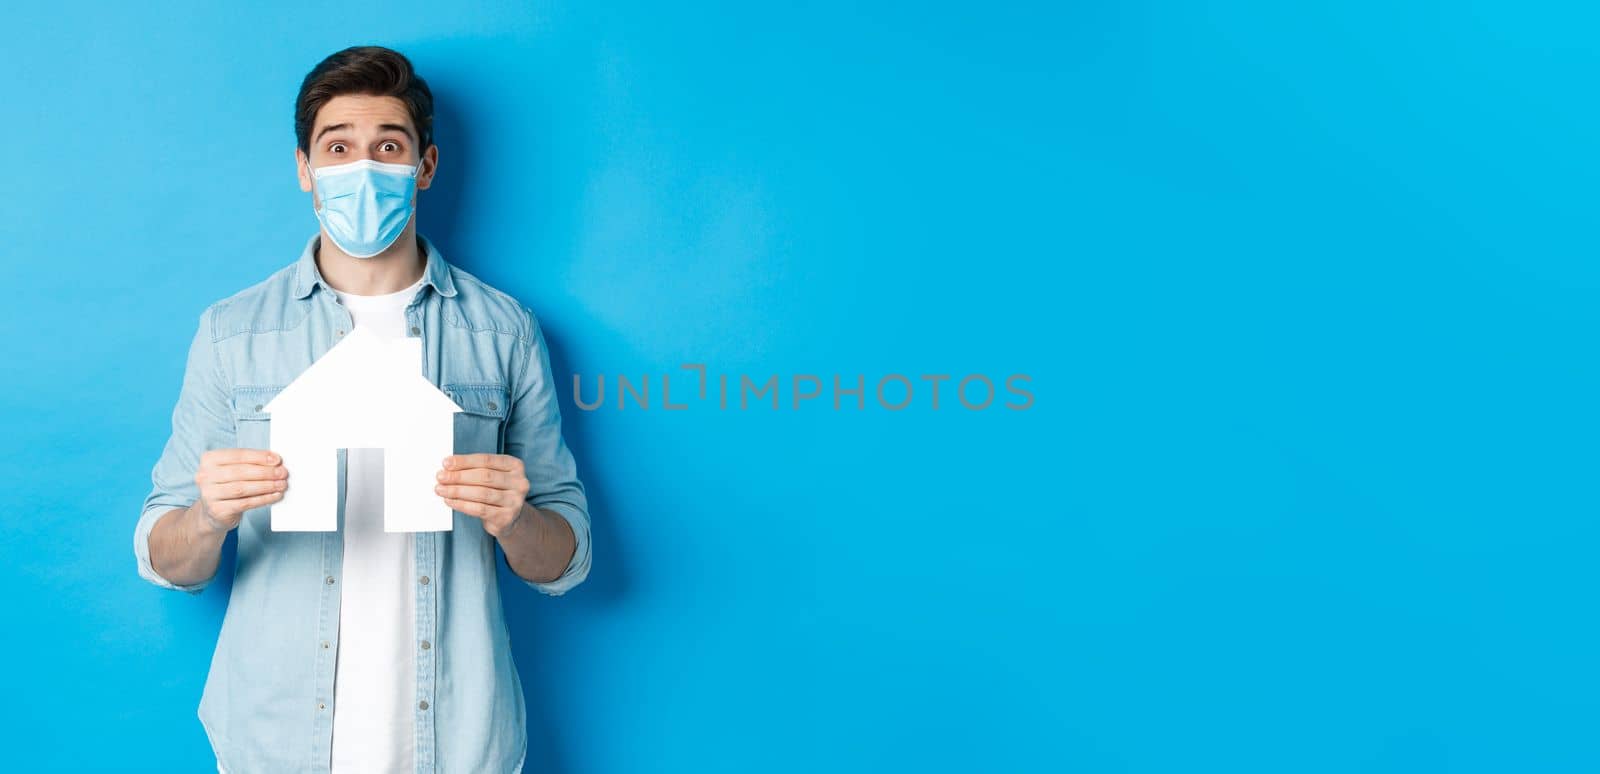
column 233, row 481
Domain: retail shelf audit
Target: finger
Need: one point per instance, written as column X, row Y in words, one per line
column 504, row 462
column 240, row 506
column 469, row 507
column 242, row 456
column 238, row 490
column 229, row 473
column 478, row 494
column 495, row 479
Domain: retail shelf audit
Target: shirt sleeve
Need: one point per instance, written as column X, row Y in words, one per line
column 201, row 421
column 533, row 434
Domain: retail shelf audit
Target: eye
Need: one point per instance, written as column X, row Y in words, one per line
column 389, row 147
column 337, row 147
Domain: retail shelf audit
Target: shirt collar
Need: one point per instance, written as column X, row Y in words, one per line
column 436, row 272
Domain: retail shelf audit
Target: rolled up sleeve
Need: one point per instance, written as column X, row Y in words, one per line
column 533, row 434
column 201, row 420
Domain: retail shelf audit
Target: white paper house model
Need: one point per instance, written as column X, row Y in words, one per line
column 366, row 391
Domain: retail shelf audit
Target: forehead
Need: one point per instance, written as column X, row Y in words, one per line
column 362, row 111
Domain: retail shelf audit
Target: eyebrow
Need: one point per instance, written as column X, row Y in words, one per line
column 403, row 129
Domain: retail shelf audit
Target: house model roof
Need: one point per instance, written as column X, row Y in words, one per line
column 364, row 375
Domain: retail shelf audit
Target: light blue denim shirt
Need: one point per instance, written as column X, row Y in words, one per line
column 268, row 699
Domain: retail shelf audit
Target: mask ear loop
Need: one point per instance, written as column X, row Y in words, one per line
column 316, row 196
column 414, row 173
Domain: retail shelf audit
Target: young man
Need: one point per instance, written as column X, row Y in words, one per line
column 359, row 649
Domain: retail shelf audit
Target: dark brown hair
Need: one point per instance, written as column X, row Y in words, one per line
column 372, row 70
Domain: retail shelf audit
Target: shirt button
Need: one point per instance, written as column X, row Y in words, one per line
column 330, row 580
column 425, row 645
column 341, row 333
column 415, row 330
column 422, row 704
column 321, row 706
column 324, row 644
column 258, row 407
column 492, row 406
column 423, row 580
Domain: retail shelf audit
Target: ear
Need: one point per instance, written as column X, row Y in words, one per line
column 430, row 164
column 302, row 168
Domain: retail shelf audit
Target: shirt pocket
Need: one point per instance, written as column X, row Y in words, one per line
column 481, row 423
column 250, row 423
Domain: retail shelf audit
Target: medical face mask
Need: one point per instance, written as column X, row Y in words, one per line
column 366, row 204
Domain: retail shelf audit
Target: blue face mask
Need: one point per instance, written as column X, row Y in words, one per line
column 366, row 204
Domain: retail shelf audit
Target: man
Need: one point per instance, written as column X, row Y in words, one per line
column 361, row 650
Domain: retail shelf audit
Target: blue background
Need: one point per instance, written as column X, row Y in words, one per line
column 1305, row 290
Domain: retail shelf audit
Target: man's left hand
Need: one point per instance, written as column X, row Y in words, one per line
column 490, row 487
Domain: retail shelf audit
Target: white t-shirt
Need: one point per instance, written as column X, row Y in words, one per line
column 374, row 685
